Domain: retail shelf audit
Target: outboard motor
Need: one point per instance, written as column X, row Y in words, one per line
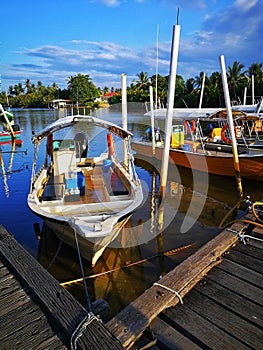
column 81, row 145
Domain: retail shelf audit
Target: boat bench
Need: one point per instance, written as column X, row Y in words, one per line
column 114, row 184
column 53, row 192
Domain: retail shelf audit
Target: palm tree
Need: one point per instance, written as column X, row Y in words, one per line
column 143, row 79
column 235, row 77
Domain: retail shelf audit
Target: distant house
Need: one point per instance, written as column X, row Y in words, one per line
column 106, row 97
column 59, row 104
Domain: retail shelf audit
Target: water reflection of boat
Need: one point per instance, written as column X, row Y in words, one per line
column 14, row 144
column 93, row 195
column 108, row 280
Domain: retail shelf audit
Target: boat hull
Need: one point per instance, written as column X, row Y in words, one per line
column 216, row 163
column 92, row 248
column 7, row 136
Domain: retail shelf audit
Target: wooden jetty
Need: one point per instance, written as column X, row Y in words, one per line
column 37, row 313
column 219, row 290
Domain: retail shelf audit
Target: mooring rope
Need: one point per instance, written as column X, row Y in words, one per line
column 87, row 320
column 168, row 253
column 170, row 290
column 81, row 267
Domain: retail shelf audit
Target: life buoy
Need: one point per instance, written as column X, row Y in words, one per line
column 223, row 135
column 110, row 144
column 189, row 126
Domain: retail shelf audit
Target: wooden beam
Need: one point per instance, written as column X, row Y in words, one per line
column 55, row 301
column 131, row 322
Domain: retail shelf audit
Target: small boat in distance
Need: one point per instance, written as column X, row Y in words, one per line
column 91, row 195
column 8, row 130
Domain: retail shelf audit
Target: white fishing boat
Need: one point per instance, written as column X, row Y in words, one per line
column 92, row 195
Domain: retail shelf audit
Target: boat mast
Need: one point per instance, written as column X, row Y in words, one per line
column 170, row 103
column 202, row 92
column 231, row 125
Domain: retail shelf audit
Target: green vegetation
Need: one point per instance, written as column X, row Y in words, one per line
column 80, row 89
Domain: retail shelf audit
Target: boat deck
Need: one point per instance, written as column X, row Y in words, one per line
column 98, row 187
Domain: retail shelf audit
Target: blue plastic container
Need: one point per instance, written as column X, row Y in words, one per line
column 81, row 183
column 186, row 147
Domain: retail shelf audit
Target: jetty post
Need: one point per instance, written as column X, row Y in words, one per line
column 245, row 96
column 253, row 89
column 231, row 125
column 124, row 112
column 202, row 92
column 152, row 120
column 170, row 104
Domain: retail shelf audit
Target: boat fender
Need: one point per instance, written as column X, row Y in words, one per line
column 49, row 144
column 110, row 144
column 223, row 135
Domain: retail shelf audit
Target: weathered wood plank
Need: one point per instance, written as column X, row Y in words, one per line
column 234, row 284
column 241, row 272
column 250, row 250
column 170, row 337
column 255, row 243
column 229, row 322
column 134, row 319
column 57, row 303
column 12, row 301
column 233, row 302
column 203, row 332
column 247, row 261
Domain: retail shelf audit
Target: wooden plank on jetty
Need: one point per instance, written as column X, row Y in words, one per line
column 36, row 312
column 132, row 321
column 223, row 311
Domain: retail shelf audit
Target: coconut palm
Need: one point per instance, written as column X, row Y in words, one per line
column 236, row 78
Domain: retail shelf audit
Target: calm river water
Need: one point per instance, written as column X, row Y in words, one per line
column 158, row 240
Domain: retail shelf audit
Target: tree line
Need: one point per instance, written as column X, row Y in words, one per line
column 82, row 91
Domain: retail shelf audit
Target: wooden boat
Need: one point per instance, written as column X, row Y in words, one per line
column 248, row 130
column 194, row 153
column 6, row 136
column 93, row 195
column 8, row 130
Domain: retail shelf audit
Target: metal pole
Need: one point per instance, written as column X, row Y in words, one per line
column 245, row 96
column 231, row 125
column 202, row 92
column 124, row 100
column 156, row 80
column 124, row 113
column 152, row 120
column 253, row 89
column 170, row 104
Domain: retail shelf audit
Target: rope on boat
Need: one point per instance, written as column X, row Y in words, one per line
column 168, row 253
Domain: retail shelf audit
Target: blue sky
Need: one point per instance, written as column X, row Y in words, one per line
column 53, row 39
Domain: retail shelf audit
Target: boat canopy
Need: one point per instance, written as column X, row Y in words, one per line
column 72, row 120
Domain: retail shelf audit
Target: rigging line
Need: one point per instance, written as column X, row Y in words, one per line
column 82, row 272
column 168, row 253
